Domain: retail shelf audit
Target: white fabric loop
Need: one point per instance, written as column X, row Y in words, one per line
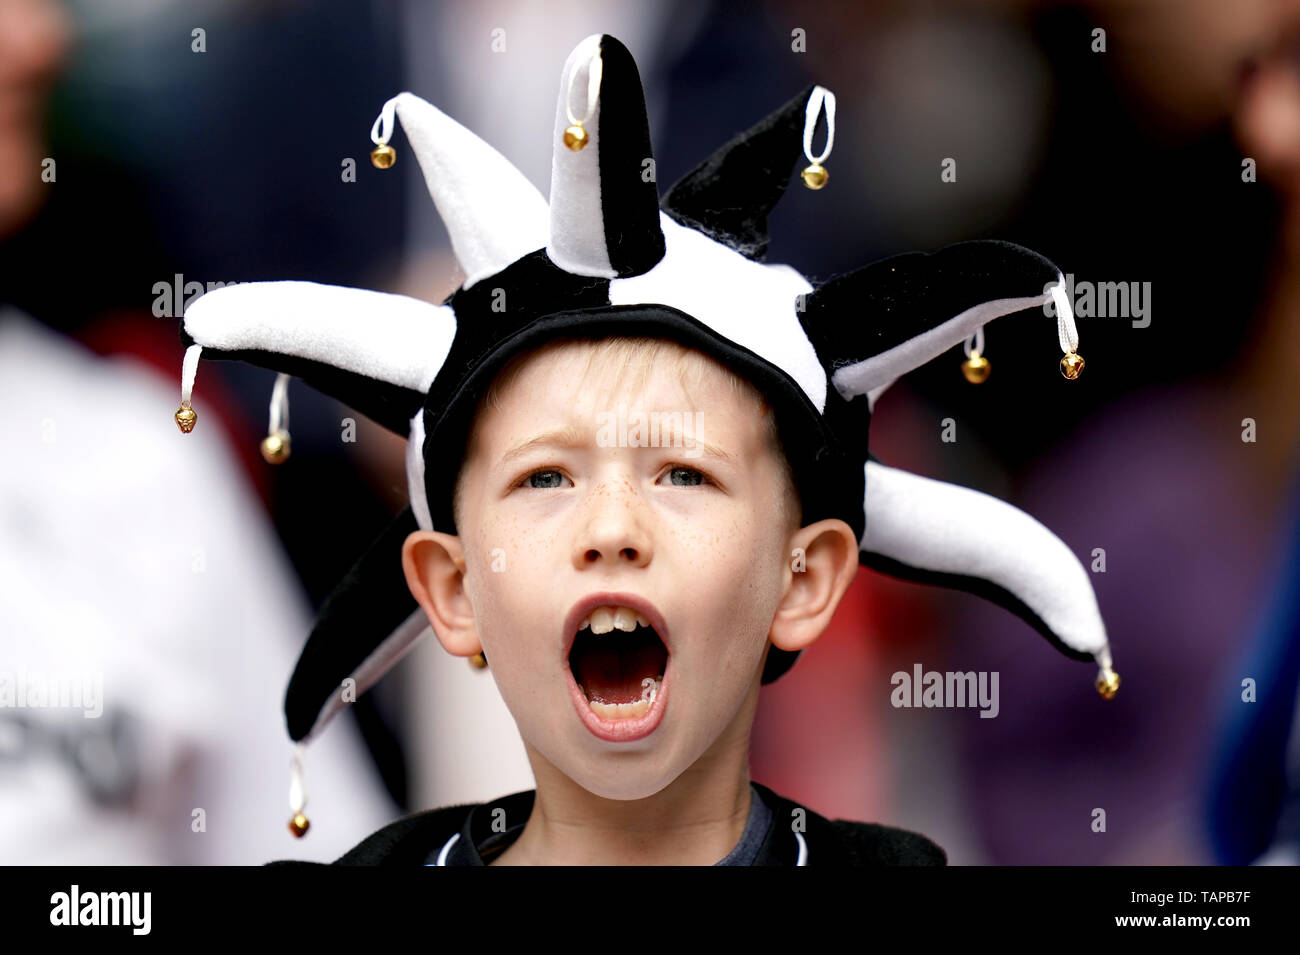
column 975, row 342
column 383, row 127
column 189, row 368
column 279, row 405
column 1066, row 333
column 594, row 73
column 297, row 789
column 820, row 96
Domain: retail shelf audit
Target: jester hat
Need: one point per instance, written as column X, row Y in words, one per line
column 608, row 256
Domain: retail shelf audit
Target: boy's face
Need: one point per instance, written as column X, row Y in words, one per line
column 547, row 521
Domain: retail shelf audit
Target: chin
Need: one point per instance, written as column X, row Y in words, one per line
column 624, row 785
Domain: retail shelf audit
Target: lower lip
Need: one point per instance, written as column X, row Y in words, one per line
column 621, row 731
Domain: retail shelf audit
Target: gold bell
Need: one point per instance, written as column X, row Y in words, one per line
column 1071, row 365
column 575, row 137
column 1108, row 685
column 185, row 417
column 383, row 156
column 815, row 176
column 478, row 661
column 976, row 368
column 299, row 825
column 275, row 447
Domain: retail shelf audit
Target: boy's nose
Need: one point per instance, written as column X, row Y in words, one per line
column 614, row 530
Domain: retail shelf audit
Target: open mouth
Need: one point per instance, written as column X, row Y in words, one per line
column 618, row 661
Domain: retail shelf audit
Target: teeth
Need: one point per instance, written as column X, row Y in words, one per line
column 620, row 711
column 628, row 711
column 605, row 619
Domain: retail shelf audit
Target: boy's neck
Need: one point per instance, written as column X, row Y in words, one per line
column 696, row 820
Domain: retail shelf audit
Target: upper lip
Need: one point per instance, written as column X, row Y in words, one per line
column 579, row 611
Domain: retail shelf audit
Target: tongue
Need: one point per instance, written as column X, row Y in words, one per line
column 612, row 667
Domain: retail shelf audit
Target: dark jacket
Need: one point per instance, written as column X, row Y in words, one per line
column 797, row 836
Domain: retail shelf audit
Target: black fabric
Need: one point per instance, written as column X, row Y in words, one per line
column 882, row 305
column 411, row 840
column 365, row 608
column 729, row 196
column 386, row 404
column 629, row 195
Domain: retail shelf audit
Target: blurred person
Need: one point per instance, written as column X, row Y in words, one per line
column 1254, row 795
column 1197, row 444
column 149, row 616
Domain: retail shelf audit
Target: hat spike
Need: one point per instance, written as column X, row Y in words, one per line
column 493, row 214
column 729, row 196
column 604, row 204
column 931, row 531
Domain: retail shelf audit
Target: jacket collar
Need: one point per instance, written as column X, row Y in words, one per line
column 784, row 844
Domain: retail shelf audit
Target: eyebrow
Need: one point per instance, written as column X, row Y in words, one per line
column 574, row 437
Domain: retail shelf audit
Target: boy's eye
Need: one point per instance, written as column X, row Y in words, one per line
column 546, row 478
column 689, row 477
column 551, row 478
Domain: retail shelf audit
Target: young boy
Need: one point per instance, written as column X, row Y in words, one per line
column 639, row 475
column 693, row 538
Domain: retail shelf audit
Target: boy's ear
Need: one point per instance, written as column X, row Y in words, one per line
column 824, row 563
column 434, row 567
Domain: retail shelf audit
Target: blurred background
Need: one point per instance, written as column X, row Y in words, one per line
column 146, row 144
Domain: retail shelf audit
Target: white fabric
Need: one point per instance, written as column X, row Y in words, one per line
column 933, row 525
column 415, row 473
column 595, row 69
column 189, row 368
column 387, row 337
column 820, row 96
column 135, row 551
column 494, row 215
column 278, row 414
column 866, row 376
column 752, row 304
column 1066, row 334
column 577, row 227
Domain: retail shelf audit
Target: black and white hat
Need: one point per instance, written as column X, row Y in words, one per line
column 609, row 256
